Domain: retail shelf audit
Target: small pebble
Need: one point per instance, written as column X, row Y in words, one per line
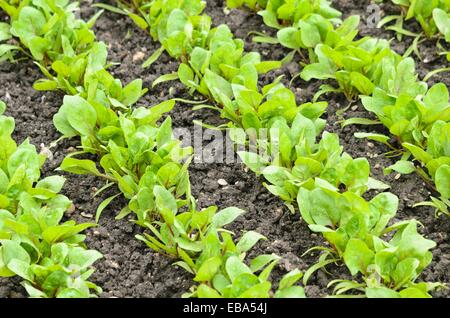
column 370, row 145
column 222, row 182
column 397, row 176
column 138, row 56
column 113, row 264
column 86, row 215
column 354, row 108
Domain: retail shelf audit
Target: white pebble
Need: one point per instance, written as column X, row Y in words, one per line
column 222, row 182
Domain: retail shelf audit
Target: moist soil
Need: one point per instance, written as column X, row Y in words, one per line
column 128, row 268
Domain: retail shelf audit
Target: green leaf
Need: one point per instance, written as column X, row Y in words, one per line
column 82, row 257
column 140, row 22
column 109, row 8
column 316, row 71
column 12, row 250
column 358, row 256
column 260, row 290
column 52, row 183
column 235, row 267
column 5, row 34
column 376, row 137
column 21, row 268
column 265, row 39
column 78, row 166
column 267, row 66
column 165, row 78
column 261, row 261
column 405, row 271
column 165, row 199
column 2, row 107
column 153, row 57
column 80, row 114
column 291, row 292
column 204, row 291
column 310, row 34
column 290, row 37
column 412, row 292
column 103, row 205
column 290, row 279
column 381, row 292
column 316, row 267
column 418, row 153
column 252, row 160
column 45, row 85
column 401, row 166
column 132, row 92
column 208, row 269
column 226, row 216
column 442, row 180
column 62, row 232
column 248, row 240
column 442, row 20
column 359, row 121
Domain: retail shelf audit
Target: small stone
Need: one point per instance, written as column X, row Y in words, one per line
column 87, row 215
column 370, row 145
column 397, row 176
column 138, row 56
column 113, row 264
column 355, row 107
column 96, row 233
column 377, row 166
column 71, row 149
column 222, row 182
column 7, row 96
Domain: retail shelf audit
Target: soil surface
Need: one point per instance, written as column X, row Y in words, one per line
column 128, row 268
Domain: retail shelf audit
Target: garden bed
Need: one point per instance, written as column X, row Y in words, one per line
column 128, row 268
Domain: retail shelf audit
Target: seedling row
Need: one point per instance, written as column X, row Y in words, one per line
column 302, row 164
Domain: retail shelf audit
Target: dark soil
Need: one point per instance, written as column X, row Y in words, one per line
column 128, row 268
